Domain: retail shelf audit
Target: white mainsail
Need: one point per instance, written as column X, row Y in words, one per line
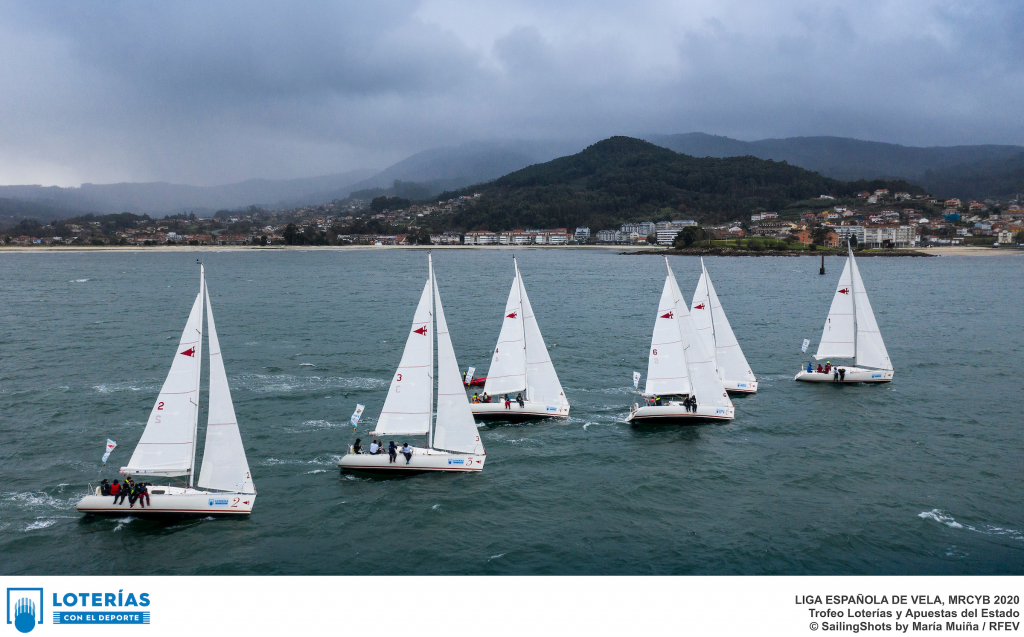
column 167, row 446
column 716, row 332
column 540, row 372
column 870, row 348
column 408, row 405
column 666, row 365
column 507, row 372
column 224, row 463
column 455, row 429
column 838, row 337
column 705, row 385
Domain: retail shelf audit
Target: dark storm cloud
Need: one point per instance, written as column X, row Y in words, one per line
column 215, row 92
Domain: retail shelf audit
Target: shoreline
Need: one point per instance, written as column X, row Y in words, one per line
column 625, row 250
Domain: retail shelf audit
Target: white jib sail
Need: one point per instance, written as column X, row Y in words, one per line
column 540, row 373
column 871, row 350
column 455, row 429
column 700, row 312
column 408, row 405
column 837, row 339
column 729, row 358
column 224, row 463
column 167, row 446
column 705, row 385
column 508, row 364
column 666, row 366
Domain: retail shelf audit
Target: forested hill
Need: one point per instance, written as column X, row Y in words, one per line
column 623, row 179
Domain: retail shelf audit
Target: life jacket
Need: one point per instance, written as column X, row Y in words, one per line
column 115, row 489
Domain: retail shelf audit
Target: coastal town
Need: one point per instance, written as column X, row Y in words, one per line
column 878, row 219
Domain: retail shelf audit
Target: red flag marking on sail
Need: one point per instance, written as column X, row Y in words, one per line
column 512, row 315
column 699, row 307
column 422, row 331
column 668, row 315
column 190, row 352
column 844, row 291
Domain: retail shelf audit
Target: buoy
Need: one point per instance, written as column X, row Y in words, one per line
column 822, row 270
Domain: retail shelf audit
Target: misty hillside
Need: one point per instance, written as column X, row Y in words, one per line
column 839, row 157
column 160, row 198
column 999, row 178
column 624, row 179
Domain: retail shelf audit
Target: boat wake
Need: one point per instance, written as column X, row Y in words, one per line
column 316, row 471
column 122, row 522
column 37, row 499
column 940, row 516
column 40, row 523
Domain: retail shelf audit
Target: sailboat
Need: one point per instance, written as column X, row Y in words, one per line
column 453, row 442
column 719, row 341
column 167, row 447
column 679, row 368
column 521, row 365
column 851, row 332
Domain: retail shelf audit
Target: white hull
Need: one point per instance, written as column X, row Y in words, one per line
column 740, row 386
column 422, row 460
column 677, row 414
column 852, row 375
column 174, row 502
column 529, row 411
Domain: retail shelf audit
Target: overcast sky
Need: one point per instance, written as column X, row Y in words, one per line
column 215, row 92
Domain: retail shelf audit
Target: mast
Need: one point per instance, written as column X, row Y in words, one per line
column 199, row 380
column 522, row 322
column 853, row 299
column 431, row 420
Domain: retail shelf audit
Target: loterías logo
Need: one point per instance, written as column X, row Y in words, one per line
column 24, row 608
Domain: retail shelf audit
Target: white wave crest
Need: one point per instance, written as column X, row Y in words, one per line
column 40, row 523
column 79, row 280
column 942, row 517
column 122, row 522
column 316, row 471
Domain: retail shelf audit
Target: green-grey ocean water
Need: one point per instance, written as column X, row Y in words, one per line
column 921, row 475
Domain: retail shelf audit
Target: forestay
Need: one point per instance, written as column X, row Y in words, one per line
column 871, row 350
column 837, row 339
column 666, row 366
column 540, row 373
column 455, row 429
column 705, row 385
column 224, row 463
column 508, row 364
column 407, row 407
column 167, row 446
column 724, row 348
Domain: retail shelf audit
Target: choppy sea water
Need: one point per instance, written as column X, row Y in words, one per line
column 921, row 475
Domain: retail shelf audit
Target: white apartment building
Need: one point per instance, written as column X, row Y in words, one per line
column 607, row 236
column 581, row 234
column 897, row 236
column 643, row 228
column 480, row 238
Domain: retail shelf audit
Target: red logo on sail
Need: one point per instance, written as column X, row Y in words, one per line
column 844, row 291
column 667, row 315
column 190, row 352
column 422, row 331
column 699, row 307
column 512, row 315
